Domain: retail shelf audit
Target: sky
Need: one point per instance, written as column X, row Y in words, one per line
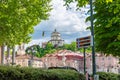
column 68, row 22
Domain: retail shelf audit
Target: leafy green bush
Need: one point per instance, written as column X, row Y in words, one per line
column 118, row 77
column 107, row 76
column 16, row 73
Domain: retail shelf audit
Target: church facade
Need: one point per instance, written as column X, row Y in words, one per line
column 56, row 39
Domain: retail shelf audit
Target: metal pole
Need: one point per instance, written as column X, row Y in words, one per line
column 92, row 37
column 84, row 61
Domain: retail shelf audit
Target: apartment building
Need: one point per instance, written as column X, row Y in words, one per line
column 103, row 63
column 64, row 58
column 25, row 61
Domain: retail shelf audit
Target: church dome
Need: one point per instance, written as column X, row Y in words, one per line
column 55, row 33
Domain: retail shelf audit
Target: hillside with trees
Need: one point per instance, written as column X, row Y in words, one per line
column 50, row 49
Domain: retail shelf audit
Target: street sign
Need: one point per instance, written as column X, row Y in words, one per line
column 83, row 42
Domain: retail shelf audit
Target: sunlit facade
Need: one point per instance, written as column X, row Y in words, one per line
column 64, row 58
column 103, row 63
column 56, row 39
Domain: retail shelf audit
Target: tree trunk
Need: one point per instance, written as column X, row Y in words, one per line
column 13, row 55
column 8, row 55
column 2, row 54
column 8, row 52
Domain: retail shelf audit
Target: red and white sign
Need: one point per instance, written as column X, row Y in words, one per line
column 83, row 42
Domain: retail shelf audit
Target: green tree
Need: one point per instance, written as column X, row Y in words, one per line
column 49, row 48
column 40, row 52
column 65, row 46
column 81, row 3
column 17, row 18
column 32, row 50
column 106, row 24
column 107, row 27
column 73, row 46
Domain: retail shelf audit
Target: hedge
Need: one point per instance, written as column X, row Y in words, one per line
column 108, row 76
column 26, row 73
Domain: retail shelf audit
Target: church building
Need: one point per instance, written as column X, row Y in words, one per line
column 56, row 39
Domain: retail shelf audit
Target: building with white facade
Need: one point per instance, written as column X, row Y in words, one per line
column 56, row 39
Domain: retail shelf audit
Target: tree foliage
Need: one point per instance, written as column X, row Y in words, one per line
column 17, row 18
column 106, row 24
column 32, row 49
column 107, row 27
column 50, row 49
column 39, row 52
column 81, row 3
column 72, row 46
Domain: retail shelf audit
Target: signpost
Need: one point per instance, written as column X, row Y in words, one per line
column 84, row 42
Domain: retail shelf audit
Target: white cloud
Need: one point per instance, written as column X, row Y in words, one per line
column 36, row 42
column 70, row 23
